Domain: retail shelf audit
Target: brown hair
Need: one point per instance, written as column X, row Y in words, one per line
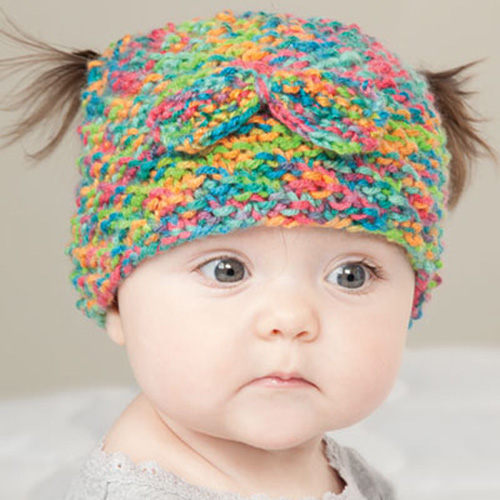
column 463, row 140
column 54, row 93
column 59, row 87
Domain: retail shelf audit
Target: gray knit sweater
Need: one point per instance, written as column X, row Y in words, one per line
column 113, row 476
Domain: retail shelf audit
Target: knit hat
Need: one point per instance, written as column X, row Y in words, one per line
column 256, row 119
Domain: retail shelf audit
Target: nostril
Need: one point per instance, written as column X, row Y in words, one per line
column 303, row 333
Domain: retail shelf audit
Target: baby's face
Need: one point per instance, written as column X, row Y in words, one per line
column 204, row 320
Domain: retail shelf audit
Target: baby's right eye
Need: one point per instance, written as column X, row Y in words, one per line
column 224, row 269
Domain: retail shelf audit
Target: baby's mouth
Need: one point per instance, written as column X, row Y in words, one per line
column 283, row 380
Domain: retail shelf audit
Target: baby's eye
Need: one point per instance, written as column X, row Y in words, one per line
column 224, row 269
column 352, row 275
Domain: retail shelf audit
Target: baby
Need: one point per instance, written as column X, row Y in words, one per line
column 258, row 222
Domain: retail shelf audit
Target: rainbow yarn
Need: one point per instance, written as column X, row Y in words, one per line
column 253, row 119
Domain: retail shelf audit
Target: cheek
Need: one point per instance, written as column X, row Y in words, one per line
column 379, row 363
column 178, row 353
column 365, row 358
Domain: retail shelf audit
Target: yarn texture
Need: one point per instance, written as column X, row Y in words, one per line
column 256, row 119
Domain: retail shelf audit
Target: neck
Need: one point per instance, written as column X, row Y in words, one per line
column 222, row 464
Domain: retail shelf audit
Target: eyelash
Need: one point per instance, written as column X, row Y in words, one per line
column 374, row 272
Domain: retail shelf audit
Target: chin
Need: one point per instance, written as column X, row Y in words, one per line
column 281, row 441
column 279, row 433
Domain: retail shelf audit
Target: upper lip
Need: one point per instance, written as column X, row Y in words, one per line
column 286, row 376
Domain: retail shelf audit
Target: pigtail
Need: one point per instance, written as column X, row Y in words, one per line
column 52, row 93
column 464, row 141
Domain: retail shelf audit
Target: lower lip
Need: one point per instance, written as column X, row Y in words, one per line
column 279, row 383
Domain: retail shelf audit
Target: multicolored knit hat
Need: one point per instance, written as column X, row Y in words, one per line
column 256, row 119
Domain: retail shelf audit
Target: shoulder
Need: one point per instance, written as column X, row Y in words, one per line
column 120, row 467
column 140, row 433
column 131, row 429
column 114, row 476
column 370, row 482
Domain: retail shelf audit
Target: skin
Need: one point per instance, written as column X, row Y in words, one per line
column 196, row 343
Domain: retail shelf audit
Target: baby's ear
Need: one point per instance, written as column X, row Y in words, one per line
column 114, row 326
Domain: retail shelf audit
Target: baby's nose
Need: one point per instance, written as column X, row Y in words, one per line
column 288, row 312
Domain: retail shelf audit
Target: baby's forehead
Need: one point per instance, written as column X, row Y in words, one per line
column 312, row 237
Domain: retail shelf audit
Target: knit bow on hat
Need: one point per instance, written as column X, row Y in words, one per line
column 325, row 106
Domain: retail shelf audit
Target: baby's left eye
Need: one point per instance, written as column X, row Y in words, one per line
column 352, row 275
